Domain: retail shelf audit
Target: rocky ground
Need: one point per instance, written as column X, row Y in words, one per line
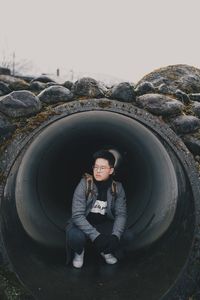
column 171, row 93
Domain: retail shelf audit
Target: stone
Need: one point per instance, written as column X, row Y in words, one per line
column 185, row 124
column 6, row 128
column 183, row 77
column 103, row 87
column 196, row 108
column 55, row 94
column 19, row 85
column 43, row 78
column 160, row 104
column 192, row 143
column 158, row 81
column 8, row 79
column 14, row 83
column 4, row 88
column 123, row 91
column 37, row 86
column 144, row 88
column 165, row 89
column 87, row 87
column 190, row 83
column 68, row 84
column 195, row 97
column 20, row 103
column 183, row 97
column 27, row 78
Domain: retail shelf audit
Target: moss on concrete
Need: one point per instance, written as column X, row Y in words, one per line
column 25, row 125
column 105, row 104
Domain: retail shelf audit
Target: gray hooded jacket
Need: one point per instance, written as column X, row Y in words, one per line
column 116, row 209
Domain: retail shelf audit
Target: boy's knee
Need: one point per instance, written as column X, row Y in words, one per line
column 76, row 234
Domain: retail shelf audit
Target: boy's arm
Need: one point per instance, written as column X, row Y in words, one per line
column 79, row 211
column 120, row 212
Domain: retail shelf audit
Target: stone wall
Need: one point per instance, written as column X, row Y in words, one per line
column 171, row 93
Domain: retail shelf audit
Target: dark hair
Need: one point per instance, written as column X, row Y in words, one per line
column 105, row 154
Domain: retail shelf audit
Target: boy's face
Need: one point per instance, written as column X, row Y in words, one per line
column 101, row 169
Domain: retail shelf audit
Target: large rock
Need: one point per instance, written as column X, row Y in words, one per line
column 14, row 83
column 183, row 97
column 185, row 124
column 54, row 94
column 165, row 88
column 4, row 88
column 19, row 85
column 87, row 87
column 43, row 78
column 68, row 84
column 144, row 88
column 160, row 104
column 27, row 78
column 123, row 91
column 37, row 86
column 20, row 103
column 103, row 87
column 183, row 77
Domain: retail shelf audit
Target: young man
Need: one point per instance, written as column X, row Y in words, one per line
column 100, row 215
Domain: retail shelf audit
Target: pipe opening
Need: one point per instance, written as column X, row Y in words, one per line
column 158, row 193
column 55, row 161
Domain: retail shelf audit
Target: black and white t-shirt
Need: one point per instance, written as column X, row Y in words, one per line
column 98, row 213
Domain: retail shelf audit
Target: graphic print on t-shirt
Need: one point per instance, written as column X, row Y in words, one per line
column 99, row 207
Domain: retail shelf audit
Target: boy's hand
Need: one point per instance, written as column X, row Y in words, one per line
column 101, row 242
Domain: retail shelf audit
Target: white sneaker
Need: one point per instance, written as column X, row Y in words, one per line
column 109, row 258
column 78, row 260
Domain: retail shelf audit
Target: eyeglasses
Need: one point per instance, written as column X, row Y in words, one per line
column 101, row 169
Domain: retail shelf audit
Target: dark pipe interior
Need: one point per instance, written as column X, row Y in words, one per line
column 56, row 160
column 41, row 186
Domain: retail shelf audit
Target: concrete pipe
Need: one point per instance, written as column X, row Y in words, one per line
column 42, row 169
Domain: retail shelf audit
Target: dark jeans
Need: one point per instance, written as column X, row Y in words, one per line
column 77, row 238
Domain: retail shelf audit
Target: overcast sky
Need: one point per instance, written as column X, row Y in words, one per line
column 121, row 38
